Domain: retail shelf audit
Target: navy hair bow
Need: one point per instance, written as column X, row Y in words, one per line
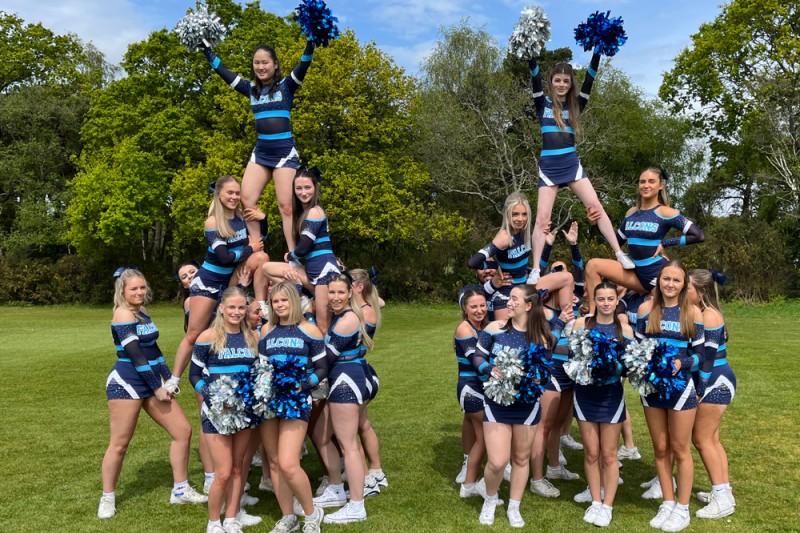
column 118, row 272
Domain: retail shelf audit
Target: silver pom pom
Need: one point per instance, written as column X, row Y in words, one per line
column 262, row 389
column 531, row 32
column 579, row 366
column 199, row 29
column 227, row 410
column 636, row 356
column 502, row 391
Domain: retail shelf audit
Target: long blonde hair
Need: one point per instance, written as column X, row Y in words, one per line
column 369, row 293
column 288, row 289
column 218, row 211
column 509, row 205
column 220, row 340
column 657, row 311
column 571, row 98
column 347, row 280
column 119, row 291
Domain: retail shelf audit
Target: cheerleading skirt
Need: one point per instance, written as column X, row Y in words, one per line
column 721, row 387
column 600, row 403
column 559, row 380
column 125, row 383
column 322, row 268
column 560, row 170
column 685, row 401
column 348, row 381
column 280, row 153
column 516, row 413
column 648, row 274
column 372, row 382
column 208, row 284
column 470, row 394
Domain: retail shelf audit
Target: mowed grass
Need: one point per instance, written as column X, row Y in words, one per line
column 54, row 431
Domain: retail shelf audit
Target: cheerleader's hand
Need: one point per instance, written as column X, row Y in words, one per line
column 161, row 394
column 660, row 251
column 245, row 274
column 677, row 364
column 256, row 244
column 593, row 215
column 549, row 237
column 567, row 316
column 572, row 234
column 496, row 372
column 290, row 274
column 253, row 213
column 502, row 279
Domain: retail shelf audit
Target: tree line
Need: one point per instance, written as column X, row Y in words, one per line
column 103, row 165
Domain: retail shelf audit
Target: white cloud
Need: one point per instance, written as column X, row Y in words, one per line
column 410, row 20
column 410, row 57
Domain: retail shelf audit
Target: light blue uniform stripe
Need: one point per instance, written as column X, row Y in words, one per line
column 512, row 266
column 535, row 71
column 143, row 368
column 319, row 253
column 233, row 369
column 279, row 113
column 644, row 242
column 463, row 360
column 323, row 239
column 283, row 357
column 674, row 342
column 559, row 357
column 215, row 63
column 556, row 129
column 468, row 374
column 517, row 281
column 721, row 362
column 306, row 57
column 560, row 151
column 647, row 262
column 705, row 375
column 217, row 269
column 274, row 136
column 591, row 72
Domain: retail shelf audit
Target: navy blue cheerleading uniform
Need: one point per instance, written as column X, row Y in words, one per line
column 559, row 380
column 348, row 374
column 559, row 164
column 315, row 250
column 140, row 365
column 275, row 146
column 716, row 382
column 373, row 383
column 513, row 260
column 469, row 389
column 284, row 341
column 223, row 254
column 208, row 366
column 578, row 265
column 644, row 230
column 688, row 350
column 603, row 403
column 629, row 304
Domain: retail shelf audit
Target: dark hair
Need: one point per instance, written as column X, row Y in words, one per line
column 538, row 330
column 463, row 297
column 272, row 85
column 591, row 321
column 299, row 212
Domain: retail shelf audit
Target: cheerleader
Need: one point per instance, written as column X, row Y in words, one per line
column 469, row 389
column 184, row 276
column 345, row 341
column 559, row 166
column 511, row 247
column 275, row 155
column 370, row 302
column 600, row 410
column 508, row 430
column 227, row 348
column 644, row 228
column 716, row 388
column 311, row 232
column 671, row 319
column 135, row 383
column 285, row 338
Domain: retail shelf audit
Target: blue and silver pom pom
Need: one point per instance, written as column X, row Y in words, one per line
column 200, row 29
column 579, row 368
column 601, row 33
column 530, row 33
column 661, row 372
column 261, row 375
column 288, row 401
column 317, row 22
column 636, row 359
column 538, row 367
column 227, row 410
column 503, row 390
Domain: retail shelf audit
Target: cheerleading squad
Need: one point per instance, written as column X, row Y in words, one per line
column 525, row 375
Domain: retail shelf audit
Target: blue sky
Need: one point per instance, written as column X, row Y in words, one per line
column 406, row 29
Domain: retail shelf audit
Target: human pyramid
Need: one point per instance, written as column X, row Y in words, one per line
column 291, row 363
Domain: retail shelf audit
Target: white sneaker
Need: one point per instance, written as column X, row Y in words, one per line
column 297, row 508
column 303, row 451
column 487, row 513
column 256, row 460
column 620, row 481
column 371, row 487
column 286, row 524
column 246, row 519
column 295, row 264
column 571, row 443
column 628, row 453
column 507, row 472
column 514, row 518
column 561, row 472
column 233, row 527
column 561, row 459
column 679, row 519
column 265, row 485
column 107, row 507
column 603, row 517
column 626, row 261
column 704, row 497
column 591, row 513
column 331, row 498
column 207, row 485
column 544, row 488
column 586, row 496
column 649, row 483
column 655, row 493
column 383, row 481
column 533, row 278
column 247, row 500
column 463, row 474
column 474, row 490
column 311, row 525
column 720, row 505
column 323, row 484
column 664, row 510
column 189, row 495
column 346, row 515
column 215, row 529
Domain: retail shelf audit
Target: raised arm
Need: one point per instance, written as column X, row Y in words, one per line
column 588, row 81
column 536, row 87
column 231, row 78
column 298, row 74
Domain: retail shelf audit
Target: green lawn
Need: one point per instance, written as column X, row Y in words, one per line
column 54, row 362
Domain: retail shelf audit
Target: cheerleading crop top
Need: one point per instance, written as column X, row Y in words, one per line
column 224, row 252
column 644, row 229
column 688, row 349
column 315, row 239
column 208, row 365
column 513, row 259
column 136, row 343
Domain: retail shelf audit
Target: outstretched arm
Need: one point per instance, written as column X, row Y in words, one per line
column 231, row 78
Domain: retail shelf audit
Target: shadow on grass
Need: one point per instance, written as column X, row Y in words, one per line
column 153, row 476
column 448, row 456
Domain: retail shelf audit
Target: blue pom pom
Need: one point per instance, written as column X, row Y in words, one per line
column 288, row 401
column 660, row 372
column 602, row 33
column 317, row 22
column 537, row 364
column 605, row 363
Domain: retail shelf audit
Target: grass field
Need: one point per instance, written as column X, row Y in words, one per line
column 54, row 431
